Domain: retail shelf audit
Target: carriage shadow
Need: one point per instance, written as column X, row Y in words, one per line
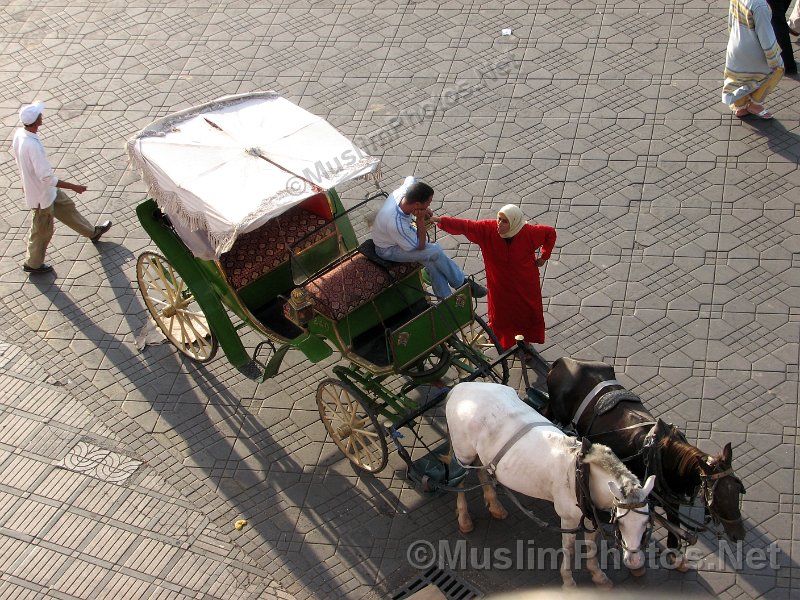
column 306, row 505
column 285, row 502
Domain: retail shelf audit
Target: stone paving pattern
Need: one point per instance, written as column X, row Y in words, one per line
column 677, row 262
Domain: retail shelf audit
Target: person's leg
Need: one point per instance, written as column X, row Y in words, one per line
column 64, row 210
column 740, row 106
column 443, row 271
column 770, row 84
column 794, row 19
column 39, row 236
column 781, row 28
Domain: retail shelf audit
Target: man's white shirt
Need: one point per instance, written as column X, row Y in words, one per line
column 38, row 179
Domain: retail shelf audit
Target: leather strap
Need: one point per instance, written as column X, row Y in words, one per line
column 492, row 464
column 589, row 397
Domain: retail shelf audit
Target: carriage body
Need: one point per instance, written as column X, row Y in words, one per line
column 297, row 268
column 302, row 281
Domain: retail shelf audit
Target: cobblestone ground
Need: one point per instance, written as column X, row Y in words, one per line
column 677, row 262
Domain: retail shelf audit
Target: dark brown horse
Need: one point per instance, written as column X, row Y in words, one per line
column 587, row 395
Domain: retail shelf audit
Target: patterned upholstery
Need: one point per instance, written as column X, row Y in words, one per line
column 258, row 252
column 353, row 282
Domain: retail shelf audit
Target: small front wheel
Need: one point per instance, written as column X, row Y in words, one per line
column 352, row 424
column 173, row 307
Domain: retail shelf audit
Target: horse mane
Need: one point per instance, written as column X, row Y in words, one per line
column 684, row 454
column 602, row 456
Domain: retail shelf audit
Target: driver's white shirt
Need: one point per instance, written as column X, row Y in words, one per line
column 392, row 227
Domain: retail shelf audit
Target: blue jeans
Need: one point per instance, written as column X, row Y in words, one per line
column 443, row 271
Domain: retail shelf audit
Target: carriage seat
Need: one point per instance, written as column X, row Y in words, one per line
column 354, row 282
column 258, row 252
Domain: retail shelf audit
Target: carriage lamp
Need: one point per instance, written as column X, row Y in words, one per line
column 301, row 307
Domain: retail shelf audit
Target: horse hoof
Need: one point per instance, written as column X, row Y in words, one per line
column 679, row 564
column 638, row 572
column 499, row 514
column 605, row 585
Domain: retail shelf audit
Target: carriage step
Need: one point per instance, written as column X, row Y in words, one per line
column 429, row 472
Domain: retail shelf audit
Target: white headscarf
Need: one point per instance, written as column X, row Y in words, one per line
column 516, row 219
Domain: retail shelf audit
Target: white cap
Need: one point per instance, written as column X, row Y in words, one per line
column 30, row 112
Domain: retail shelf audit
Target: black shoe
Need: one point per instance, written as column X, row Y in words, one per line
column 99, row 230
column 478, row 291
column 44, row 268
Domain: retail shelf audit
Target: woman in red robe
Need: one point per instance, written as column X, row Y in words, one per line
column 509, row 246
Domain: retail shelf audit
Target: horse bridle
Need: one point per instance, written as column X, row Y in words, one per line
column 708, row 486
column 630, row 507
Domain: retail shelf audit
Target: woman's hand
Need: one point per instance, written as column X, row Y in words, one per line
column 540, row 262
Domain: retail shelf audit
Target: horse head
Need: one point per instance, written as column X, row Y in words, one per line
column 722, row 492
column 630, row 511
column 630, row 514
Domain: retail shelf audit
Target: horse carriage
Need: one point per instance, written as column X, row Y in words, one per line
column 253, row 235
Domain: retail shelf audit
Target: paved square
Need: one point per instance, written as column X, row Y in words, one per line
column 676, row 261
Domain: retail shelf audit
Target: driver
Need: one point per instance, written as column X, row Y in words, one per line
column 400, row 236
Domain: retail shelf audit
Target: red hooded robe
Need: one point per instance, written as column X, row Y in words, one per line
column 512, row 277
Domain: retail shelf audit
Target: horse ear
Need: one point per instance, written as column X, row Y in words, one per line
column 616, row 490
column 649, row 484
column 727, row 454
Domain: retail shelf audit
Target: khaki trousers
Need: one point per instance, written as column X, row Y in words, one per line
column 758, row 96
column 42, row 226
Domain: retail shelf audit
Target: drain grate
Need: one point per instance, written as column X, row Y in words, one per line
column 452, row 586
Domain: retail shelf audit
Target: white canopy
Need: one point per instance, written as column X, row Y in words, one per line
column 228, row 166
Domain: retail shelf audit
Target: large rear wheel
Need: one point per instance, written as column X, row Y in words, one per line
column 173, row 307
column 352, row 424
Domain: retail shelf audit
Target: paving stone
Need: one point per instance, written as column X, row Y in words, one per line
column 675, row 262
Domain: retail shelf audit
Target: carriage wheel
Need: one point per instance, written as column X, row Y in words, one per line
column 352, row 425
column 174, row 308
column 484, row 347
column 430, row 367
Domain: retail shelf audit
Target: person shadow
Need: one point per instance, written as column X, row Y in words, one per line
column 778, row 138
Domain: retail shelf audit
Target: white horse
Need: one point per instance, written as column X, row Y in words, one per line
column 484, row 418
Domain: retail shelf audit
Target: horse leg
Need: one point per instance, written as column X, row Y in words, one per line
column 462, row 512
column 593, row 564
column 490, row 496
column 568, row 545
column 675, row 556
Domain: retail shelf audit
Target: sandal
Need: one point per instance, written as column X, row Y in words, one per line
column 741, row 112
column 761, row 114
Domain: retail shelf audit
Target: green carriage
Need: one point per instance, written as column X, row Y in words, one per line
column 252, row 234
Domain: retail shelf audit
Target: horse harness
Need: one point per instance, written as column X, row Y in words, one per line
column 582, row 493
column 600, row 401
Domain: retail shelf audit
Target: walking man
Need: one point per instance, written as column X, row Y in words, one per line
column 44, row 193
